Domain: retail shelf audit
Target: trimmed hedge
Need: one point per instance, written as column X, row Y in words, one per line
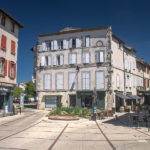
column 71, row 111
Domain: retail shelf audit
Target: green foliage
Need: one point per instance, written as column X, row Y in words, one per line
column 30, row 90
column 17, row 92
column 72, row 111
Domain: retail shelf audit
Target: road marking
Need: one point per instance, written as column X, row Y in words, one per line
column 112, row 146
column 58, row 137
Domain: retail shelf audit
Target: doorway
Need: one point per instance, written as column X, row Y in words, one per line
column 86, row 101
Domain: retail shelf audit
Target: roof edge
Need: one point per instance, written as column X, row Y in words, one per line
column 8, row 15
column 75, row 31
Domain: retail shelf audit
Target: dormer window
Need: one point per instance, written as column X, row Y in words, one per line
column 12, row 27
column 3, row 20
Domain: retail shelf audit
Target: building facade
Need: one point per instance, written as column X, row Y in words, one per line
column 9, row 29
column 72, row 64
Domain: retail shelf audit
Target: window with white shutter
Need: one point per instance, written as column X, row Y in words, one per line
column 72, row 58
column 99, row 55
column 70, row 43
column 87, row 41
column 52, row 45
column 64, row 44
column 55, row 45
column 54, row 60
column 44, row 47
column 43, row 61
column 86, row 80
column 48, row 46
column 77, row 42
column 86, row 57
column 72, row 81
column 49, row 60
column 59, row 81
column 99, row 80
column 60, row 59
column 47, row 81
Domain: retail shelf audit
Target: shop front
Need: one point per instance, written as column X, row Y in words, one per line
column 84, row 99
column 6, row 98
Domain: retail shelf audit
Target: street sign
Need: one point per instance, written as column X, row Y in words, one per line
column 22, row 100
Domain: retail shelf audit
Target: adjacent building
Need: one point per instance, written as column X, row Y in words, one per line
column 73, row 64
column 9, row 29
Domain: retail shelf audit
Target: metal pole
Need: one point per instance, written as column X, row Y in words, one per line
column 94, row 105
column 4, row 107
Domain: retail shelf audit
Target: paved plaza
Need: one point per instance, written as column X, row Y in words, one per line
column 33, row 131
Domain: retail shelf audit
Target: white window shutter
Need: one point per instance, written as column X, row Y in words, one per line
column 101, row 56
column 70, row 43
column 77, row 42
column 54, row 60
column 64, row 44
column 99, row 80
column 43, row 61
column 84, row 58
column 86, row 80
column 61, row 60
column 72, row 81
column 87, row 41
column 47, row 80
column 97, row 55
column 52, row 45
column 73, row 58
column 55, row 45
column 59, row 82
column 49, row 60
column 70, row 61
column 87, row 57
column 44, row 47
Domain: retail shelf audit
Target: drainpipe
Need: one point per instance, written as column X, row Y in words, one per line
column 124, row 72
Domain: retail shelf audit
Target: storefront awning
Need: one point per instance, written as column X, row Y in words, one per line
column 122, row 96
column 134, row 97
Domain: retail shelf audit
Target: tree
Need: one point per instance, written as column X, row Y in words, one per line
column 17, row 92
column 30, row 89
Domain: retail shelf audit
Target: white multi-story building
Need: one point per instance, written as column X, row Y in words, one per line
column 9, row 29
column 72, row 63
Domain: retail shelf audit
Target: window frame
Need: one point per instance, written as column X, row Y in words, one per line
column 76, row 80
column 89, row 80
column 50, row 81
column 56, row 80
column 99, row 51
column 89, row 57
column 103, row 79
column 70, row 54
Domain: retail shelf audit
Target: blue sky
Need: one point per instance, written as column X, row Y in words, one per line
column 130, row 20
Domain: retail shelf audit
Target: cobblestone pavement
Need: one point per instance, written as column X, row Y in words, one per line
column 33, row 131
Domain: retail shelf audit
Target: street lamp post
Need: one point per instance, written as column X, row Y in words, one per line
column 94, row 104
